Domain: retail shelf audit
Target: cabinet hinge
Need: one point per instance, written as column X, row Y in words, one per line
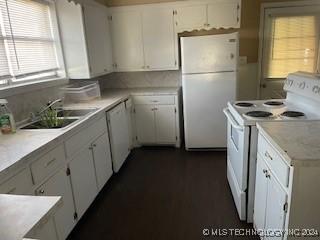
column 137, row 138
column 68, row 172
column 176, row 137
column 110, row 18
column 134, row 110
column 175, row 12
column 175, row 62
column 285, row 207
column 238, row 6
column 75, row 216
column 175, row 110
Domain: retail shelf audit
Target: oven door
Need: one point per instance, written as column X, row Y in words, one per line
column 238, row 149
column 238, row 157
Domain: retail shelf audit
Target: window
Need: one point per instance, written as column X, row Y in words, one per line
column 28, row 47
column 291, row 45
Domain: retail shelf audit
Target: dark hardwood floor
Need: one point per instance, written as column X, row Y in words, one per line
column 163, row 194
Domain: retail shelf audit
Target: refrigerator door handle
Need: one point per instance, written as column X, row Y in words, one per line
column 231, row 120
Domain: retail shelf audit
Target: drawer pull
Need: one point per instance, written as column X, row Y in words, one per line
column 268, row 155
column 50, row 162
column 155, row 101
column 12, row 190
column 41, row 191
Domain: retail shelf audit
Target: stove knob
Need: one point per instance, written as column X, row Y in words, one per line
column 302, row 85
column 316, row 89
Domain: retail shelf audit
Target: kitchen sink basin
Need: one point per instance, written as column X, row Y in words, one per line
column 75, row 112
column 38, row 124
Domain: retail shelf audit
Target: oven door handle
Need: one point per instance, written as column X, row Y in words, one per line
column 231, row 120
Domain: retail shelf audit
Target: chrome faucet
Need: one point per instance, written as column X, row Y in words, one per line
column 33, row 116
column 49, row 105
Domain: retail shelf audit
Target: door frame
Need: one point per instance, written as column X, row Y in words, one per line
column 264, row 7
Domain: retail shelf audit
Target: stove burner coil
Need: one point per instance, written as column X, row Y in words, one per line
column 273, row 103
column 259, row 114
column 292, row 114
column 244, row 104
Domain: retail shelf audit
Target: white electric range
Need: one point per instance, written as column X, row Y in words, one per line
column 301, row 104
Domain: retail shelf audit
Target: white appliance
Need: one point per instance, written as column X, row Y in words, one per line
column 301, row 104
column 119, row 135
column 209, row 76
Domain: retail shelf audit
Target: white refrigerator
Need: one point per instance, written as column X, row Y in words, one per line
column 209, row 79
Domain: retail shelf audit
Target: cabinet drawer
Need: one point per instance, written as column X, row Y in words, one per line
column 21, row 183
column 277, row 165
column 77, row 141
column 47, row 164
column 165, row 99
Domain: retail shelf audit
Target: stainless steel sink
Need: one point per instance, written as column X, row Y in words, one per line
column 39, row 124
column 75, row 112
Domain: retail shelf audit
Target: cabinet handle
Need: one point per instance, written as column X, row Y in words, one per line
column 90, row 148
column 12, row 190
column 50, row 162
column 268, row 175
column 265, row 171
column 268, row 155
column 41, row 191
column 94, row 145
column 154, row 101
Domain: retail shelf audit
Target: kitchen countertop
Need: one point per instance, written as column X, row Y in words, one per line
column 21, row 214
column 26, row 144
column 297, row 142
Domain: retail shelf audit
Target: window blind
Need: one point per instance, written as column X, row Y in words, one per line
column 27, row 41
column 293, row 45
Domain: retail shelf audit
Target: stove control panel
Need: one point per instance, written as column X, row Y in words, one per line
column 305, row 84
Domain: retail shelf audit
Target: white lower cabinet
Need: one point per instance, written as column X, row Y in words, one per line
column 145, row 124
column 157, row 120
column 45, row 231
column 83, row 179
column 102, row 159
column 260, row 201
column 165, row 119
column 119, row 135
column 59, row 185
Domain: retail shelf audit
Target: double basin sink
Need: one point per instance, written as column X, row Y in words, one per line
column 66, row 116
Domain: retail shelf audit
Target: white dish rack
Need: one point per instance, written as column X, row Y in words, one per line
column 81, row 92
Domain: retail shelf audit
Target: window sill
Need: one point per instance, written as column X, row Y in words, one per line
column 31, row 86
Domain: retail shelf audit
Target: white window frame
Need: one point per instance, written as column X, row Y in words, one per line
column 263, row 11
column 30, row 85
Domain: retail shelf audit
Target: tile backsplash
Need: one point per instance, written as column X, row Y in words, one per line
column 23, row 104
column 141, row 79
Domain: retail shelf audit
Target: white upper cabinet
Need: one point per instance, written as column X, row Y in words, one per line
column 86, row 39
column 144, row 39
column 159, row 39
column 98, row 39
column 191, row 17
column 224, row 14
column 208, row 14
column 127, row 40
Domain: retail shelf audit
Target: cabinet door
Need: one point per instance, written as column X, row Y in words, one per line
column 83, row 179
column 46, row 231
column 165, row 119
column 191, row 17
column 126, row 27
column 159, row 39
column 145, row 123
column 59, row 185
column 119, row 136
column 275, row 212
column 98, row 39
column 260, row 200
column 224, row 14
column 102, row 160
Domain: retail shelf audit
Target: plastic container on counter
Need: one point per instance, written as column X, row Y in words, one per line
column 81, row 92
